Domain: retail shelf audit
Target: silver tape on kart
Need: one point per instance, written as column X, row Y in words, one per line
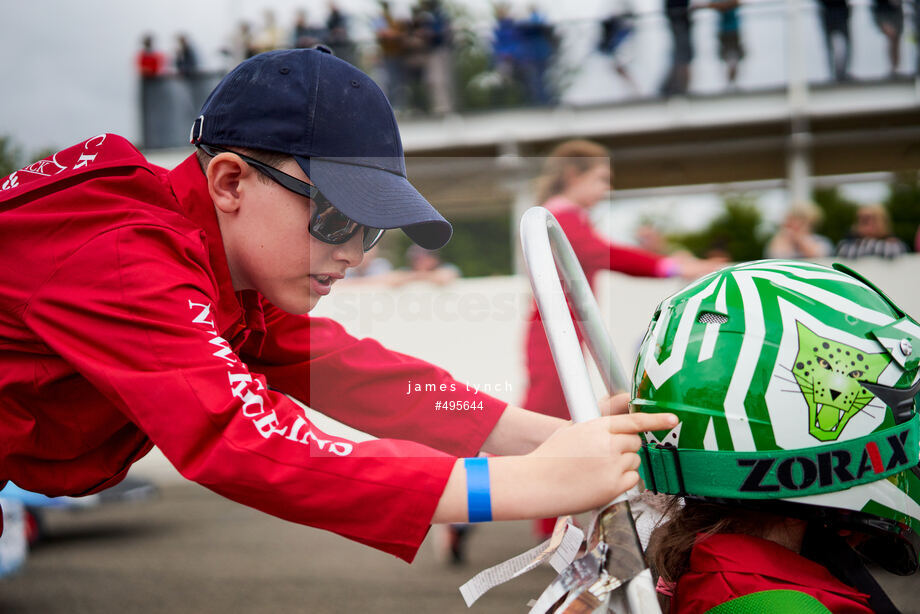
column 583, row 572
column 558, row 551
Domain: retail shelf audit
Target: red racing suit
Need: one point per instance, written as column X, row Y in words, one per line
column 725, row 566
column 120, row 330
column 595, row 253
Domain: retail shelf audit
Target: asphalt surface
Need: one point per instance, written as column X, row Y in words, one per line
column 192, row 551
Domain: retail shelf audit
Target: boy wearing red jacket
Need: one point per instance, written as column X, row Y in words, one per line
column 146, row 307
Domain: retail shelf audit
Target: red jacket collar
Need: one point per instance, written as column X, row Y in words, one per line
column 724, row 552
column 190, row 186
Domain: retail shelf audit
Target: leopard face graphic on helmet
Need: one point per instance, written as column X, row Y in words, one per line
column 829, row 375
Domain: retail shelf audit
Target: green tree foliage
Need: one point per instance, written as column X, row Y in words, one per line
column 480, row 247
column 837, row 213
column 10, row 156
column 903, row 206
column 735, row 233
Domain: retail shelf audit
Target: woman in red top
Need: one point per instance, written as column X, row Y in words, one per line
column 576, row 176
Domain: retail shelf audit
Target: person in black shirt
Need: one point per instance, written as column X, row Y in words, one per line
column 678, row 77
column 835, row 20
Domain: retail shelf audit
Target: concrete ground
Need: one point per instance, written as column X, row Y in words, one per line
column 192, row 551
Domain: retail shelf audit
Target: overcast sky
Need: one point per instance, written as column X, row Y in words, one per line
column 67, row 68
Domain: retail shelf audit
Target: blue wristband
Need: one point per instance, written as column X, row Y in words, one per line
column 478, row 497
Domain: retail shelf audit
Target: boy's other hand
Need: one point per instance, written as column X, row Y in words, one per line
column 614, row 405
column 580, row 467
column 586, row 465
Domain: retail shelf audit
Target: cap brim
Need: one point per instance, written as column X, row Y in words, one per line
column 378, row 198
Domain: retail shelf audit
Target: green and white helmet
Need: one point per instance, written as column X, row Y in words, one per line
column 793, row 382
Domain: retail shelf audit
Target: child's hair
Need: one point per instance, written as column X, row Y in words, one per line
column 685, row 524
column 579, row 155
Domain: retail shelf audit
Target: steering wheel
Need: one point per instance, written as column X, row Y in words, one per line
column 551, row 261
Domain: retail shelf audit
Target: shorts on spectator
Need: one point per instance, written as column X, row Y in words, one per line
column 889, row 16
column 680, row 31
column 730, row 48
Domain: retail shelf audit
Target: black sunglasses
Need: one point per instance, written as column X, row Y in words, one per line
column 327, row 223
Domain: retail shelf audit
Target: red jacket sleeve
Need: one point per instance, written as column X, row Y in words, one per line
column 363, row 384
column 133, row 312
column 595, row 253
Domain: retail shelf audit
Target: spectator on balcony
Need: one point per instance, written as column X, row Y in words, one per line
column 271, row 36
column 835, row 20
column 796, row 237
column 240, row 46
column 617, row 37
column 304, row 34
column 416, row 49
column 391, row 33
column 889, row 17
column 537, row 45
column 186, row 58
column 731, row 51
column 337, row 35
column 150, row 62
column 871, row 236
column 506, row 44
column 677, row 80
column 433, row 29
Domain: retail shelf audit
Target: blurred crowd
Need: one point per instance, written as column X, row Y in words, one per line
column 421, row 265
column 304, row 31
column 870, row 235
column 414, row 53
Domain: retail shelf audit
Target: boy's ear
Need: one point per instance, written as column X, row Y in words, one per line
column 226, row 174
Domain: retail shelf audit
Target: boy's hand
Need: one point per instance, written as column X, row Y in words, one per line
column 581, row 467
column 615, row 405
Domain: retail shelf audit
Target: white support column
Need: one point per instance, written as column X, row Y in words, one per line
column 797, row 87
column 798, row 149
column 798, row 162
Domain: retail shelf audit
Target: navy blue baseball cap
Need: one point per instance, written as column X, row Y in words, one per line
column 338, row 125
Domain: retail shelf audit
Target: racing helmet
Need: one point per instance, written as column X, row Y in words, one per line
column 794, row 385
